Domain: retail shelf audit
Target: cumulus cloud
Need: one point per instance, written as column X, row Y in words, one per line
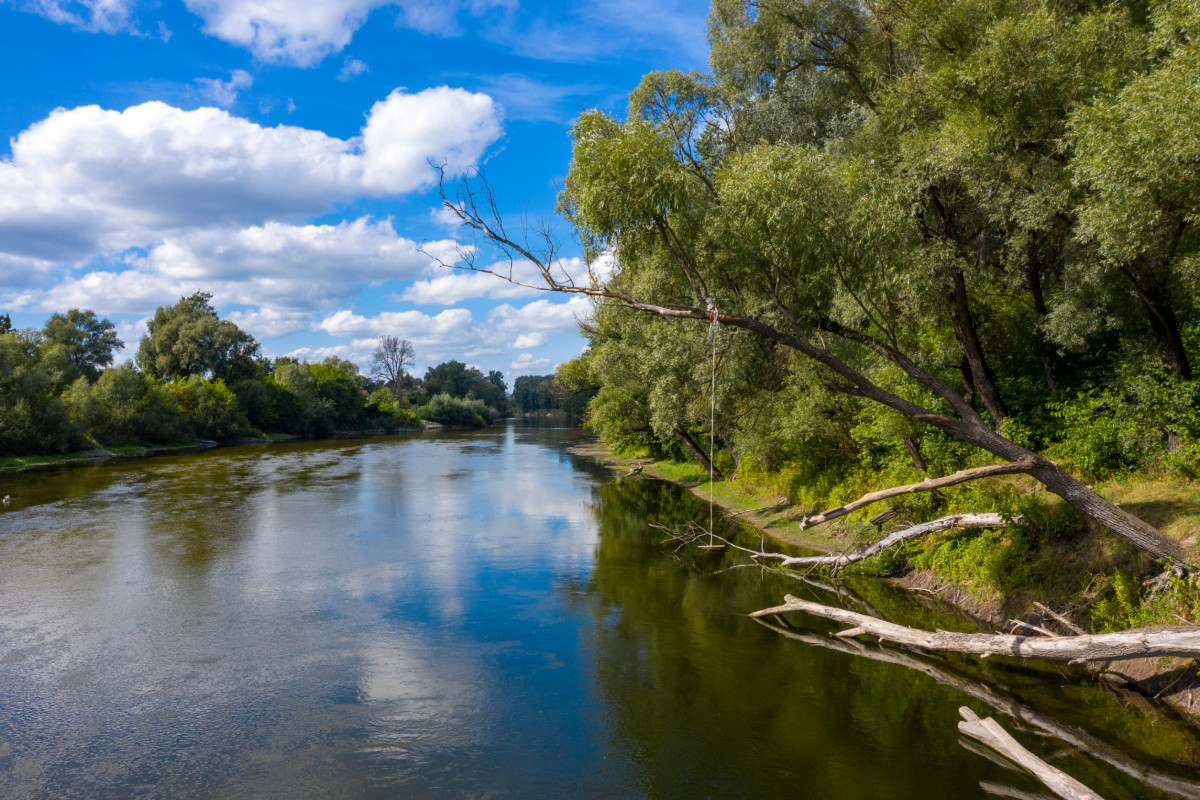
column 287, row 268
column 87, row 180
column 449, row 334
column 501, row 280
column 542, row 316
column 526, row 363
column 528, row 340
column 225, row 93
column 404, row 131
column 411, row 325
column 299, row 33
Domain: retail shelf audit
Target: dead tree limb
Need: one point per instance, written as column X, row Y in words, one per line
column 1180, row 641
column 927, row 485
column 1002, row 702
column 952, row 522
column 989, row 732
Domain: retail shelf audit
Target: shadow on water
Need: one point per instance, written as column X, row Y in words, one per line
column 684, row 671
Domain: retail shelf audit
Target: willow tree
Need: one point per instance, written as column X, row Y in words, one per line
column 849, row 181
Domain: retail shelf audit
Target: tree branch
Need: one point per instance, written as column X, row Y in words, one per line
column 928, row 485
column 1183, row 642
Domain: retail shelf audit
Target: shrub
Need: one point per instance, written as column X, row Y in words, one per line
column 459, row 411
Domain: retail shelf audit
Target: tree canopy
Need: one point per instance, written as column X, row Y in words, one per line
column 941, row 226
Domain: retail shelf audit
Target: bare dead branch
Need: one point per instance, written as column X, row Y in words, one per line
column 928, row 485
column 1001, row 701
column 1180, row 641
column 989, row 732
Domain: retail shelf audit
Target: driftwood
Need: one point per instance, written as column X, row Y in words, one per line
column 895, row 538
column 1180, row 641
column 1000, row 790
column 1001, row 701
column 990, row 733
column 694, row 533
column 927, row 485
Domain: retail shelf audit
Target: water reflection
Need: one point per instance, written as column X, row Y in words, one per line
column 453, row 616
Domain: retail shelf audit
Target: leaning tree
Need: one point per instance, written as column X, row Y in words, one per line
column 846, row 185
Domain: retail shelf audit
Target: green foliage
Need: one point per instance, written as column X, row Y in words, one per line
column 1127, row 605
column 450, row 410
column 189, row 338
column 383, row 408
column 209, row 407
column 89, row 342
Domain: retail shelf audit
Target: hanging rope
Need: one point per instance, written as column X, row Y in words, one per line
column 713, row 324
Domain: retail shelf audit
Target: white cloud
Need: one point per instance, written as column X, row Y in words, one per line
column 267, row 323
column 528, row 340
column 502, row 281
column 295, row 32
column 96, row 16
column 455, row 287
column 543, row 316
column 449, row 334
column 404, row 131
column 526, row 363
column 411, row 325
column 350, row 68
column 280, row 274
column 225, row 93
column 87, row 181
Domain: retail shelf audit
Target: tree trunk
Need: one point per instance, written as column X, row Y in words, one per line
column 1034, row 275
column 914, row 452
column 1091, row 505
column 1178, row 641
column 699, row 453
column 1165, row 326
column 968, row 339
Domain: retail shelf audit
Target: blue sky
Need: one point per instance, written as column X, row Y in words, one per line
column 275, row 154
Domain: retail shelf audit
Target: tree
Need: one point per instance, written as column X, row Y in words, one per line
column 862, row 247
column 88, row 340
column 189, row 338
column 391, row 356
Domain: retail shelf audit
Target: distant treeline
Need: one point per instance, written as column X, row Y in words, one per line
column 542, row 393
column 199, row 376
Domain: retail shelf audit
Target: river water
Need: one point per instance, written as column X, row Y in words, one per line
column 476, row 615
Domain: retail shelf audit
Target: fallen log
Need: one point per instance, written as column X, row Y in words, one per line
column 1002, row 702
column 989, row 732
column 952, row 522
column 1181, row 641
column 927, row 485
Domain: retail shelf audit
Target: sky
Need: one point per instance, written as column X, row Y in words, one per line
column 276, row 154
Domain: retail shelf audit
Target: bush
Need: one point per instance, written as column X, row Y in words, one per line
column 459, row 411
column 209, row 407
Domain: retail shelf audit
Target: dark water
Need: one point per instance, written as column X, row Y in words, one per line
column 467, row 616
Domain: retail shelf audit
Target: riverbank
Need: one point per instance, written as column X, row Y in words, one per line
column 1079, row 584
column 17, row 464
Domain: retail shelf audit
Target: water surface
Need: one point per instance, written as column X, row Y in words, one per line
column 459, row 616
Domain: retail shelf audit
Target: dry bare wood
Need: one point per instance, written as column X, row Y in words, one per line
column 989, row 732
column 952, row 522
column 927, row 485
column 1180, row 641
column 1002, row 702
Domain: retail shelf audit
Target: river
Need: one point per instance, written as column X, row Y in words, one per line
column 466, row 615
